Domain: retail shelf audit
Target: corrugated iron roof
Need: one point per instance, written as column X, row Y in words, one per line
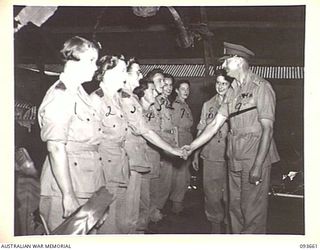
column 196, row 70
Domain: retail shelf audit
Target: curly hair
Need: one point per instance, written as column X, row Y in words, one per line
column 105, row 63
column 222, row 72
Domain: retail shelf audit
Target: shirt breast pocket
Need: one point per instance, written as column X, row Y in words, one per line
column 83, row 123
column 86, row 172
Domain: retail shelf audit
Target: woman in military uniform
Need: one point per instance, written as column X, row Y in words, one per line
column 183, row 120
column 214, row 158
column 121, row 114
column 69, row 124
column 148, row 210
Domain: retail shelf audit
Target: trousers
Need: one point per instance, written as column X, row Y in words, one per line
column 215, row 190
column 248, row 202
column 180, row 180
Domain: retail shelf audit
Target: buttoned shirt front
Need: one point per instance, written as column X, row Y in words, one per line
column 246, row 105
column 182, row 119
column 135, row 144
column 215, row 149
column 168, row 130
column 115, row 129
column 68, row 116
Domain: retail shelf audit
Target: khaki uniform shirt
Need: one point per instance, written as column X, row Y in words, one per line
column 69, row 117
column 246, row 105
column 215, row 149
column 152, row 119
column 135, row 144
column 115, row 129
column 183, row 120
column 168, row 130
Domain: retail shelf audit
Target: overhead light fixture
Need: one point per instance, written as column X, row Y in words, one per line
column 145, row 11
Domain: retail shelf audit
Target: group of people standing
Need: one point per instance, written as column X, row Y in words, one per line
column 129, row 137
column 122, row 136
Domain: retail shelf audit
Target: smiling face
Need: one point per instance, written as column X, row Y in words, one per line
column 158, row 80
column 150, row 93
column 134, row 75
column 183, row 91
column 222, row 85
column 167, row 88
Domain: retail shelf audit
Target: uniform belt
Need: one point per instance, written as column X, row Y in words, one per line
column 184, row 130
column 169, row 131
column 245, row 130
column 78, row 147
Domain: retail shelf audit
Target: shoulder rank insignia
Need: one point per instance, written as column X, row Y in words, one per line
column 61, row 86
column 99, row 92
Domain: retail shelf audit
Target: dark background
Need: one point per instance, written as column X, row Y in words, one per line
column 276, row 34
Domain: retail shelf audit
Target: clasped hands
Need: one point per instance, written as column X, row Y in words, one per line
column 183, row 152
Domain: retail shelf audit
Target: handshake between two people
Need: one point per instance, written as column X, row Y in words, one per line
column 184, row 152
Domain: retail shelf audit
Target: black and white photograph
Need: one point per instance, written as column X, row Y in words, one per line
column 161, row 120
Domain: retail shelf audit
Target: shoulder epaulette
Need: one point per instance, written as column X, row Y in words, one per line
column 61, row 86
column 99, row 92
column 258, row 80
column 124, row 94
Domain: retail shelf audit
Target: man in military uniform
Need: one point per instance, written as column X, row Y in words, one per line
column 250, row 107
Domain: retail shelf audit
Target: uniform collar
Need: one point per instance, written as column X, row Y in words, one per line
column 246, row 80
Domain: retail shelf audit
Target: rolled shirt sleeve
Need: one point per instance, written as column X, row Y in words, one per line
column 266, row 102
column 202, row 123
column 55, row 116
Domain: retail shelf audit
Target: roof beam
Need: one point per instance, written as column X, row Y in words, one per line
column 163, row 28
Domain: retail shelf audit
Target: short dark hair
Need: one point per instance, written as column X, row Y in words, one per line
column 179, row 82
column 153, row 72
column 74, row 46
column 143, row 85
column 130, row 62
column 222, row 72
column 167, row 75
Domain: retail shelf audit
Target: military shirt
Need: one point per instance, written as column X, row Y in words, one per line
column 183, row 120
column 152, row 119
column 135, row 144
column 69, row 117
column 215, row 149
column 245, row 106
column 168, row 130
column 115, row 129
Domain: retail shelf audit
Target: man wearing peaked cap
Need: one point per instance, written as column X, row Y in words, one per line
column 231, row 50
column 249, row 108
